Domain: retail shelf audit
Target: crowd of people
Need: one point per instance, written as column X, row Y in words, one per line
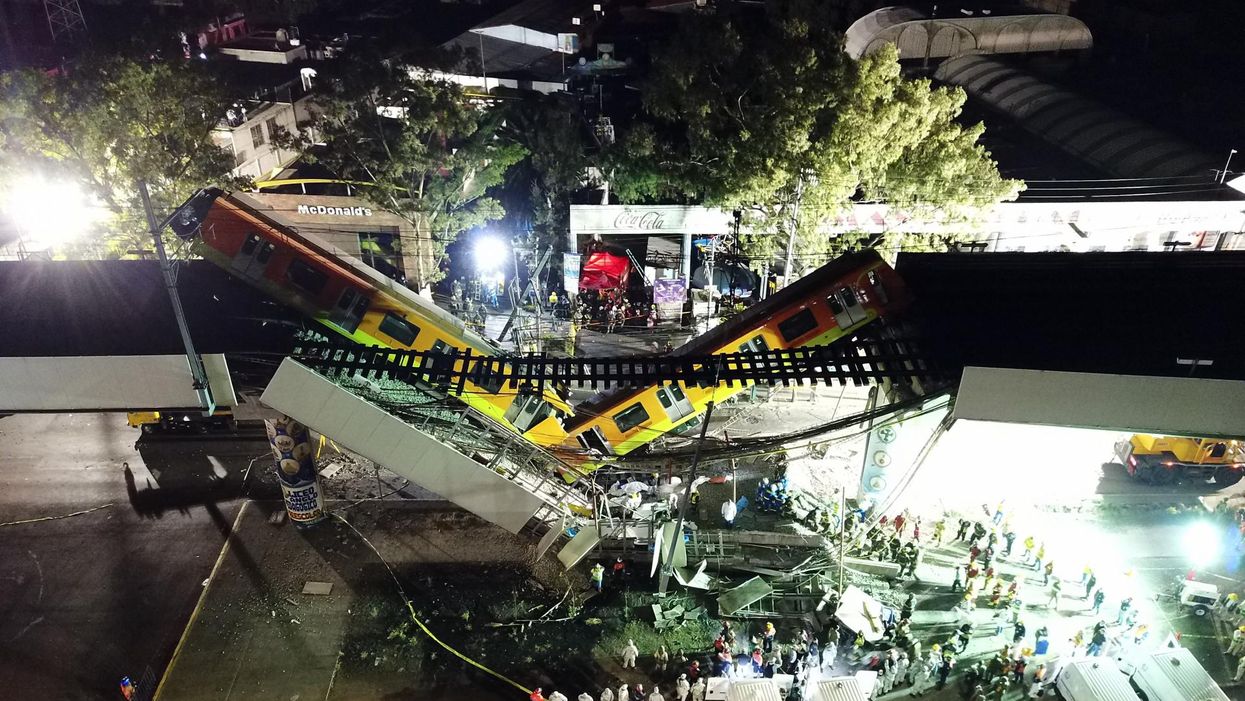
column 610, row 310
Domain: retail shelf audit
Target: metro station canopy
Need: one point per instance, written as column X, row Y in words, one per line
column 919, row 36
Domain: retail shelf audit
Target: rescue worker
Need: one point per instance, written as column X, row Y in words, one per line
column 584, row 697
column 830, row 653
column 607, row 694
column 901, row 669
column 598, row 576
column 661, row 659
column 656, row 695
column 958, row 584
column 698, row 690
column 1237, row 646
column 889, row 670
column 1099, row 597
column 1240, row 670
column 624, row 693
column 1052, row 601
column 693, row 671
column 728, row 513
column 1090, row 583
column 1047, row 572
column 682, row 688
column 939, row 527
column 767, row 637
column 1030, row 543
column 629, row 654
column 535, row 695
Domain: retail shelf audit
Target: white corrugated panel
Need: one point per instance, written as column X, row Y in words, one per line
column 1185, row 678
column 108, row 383
column 753, row 690
column 1094, row 679
column 1165, row 405
column 305, row 396
column 838, row 689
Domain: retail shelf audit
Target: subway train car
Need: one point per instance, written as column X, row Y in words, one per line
column 345, row 295
column 830, row 303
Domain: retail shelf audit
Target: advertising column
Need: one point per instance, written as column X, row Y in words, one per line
column 300, row 483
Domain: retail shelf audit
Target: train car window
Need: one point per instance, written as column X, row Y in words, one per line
column 797, row 325
column 248, row 246
column 878, row 288
column 593, row 440
column 398, row 329
column 849, row 297
column 490, row 384
column 347, row 299
column 665, row 400
column 1219, row 450
column 306, row 277
column 265, row 252
column 631, row 417
column 836, row 307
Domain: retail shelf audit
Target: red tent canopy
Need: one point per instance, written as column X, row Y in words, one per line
column 604, row 271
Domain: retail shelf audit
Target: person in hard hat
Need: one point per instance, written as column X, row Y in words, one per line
column 1237, row 646
column 558, row 696
column 607, row 694
column 656, row 695
column 1240, row 670
column 767, row 637
column 629, row 654
column 598, row 576
column 584, row 697
column 535, row 695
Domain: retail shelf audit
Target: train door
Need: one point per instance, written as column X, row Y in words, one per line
column 846, row 308
column 593, row 440
column 254, row 256
column 349, row 310
column 674, row 401
column 526, row 411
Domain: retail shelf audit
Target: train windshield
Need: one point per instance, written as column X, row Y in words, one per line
column 526, row 411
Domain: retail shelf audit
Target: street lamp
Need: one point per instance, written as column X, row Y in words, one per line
column 1203, row 544
column 48, row 213
column 490, row 252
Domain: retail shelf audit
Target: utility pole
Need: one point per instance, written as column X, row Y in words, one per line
column 197, row 371
column 668, row 568
column 795, row 227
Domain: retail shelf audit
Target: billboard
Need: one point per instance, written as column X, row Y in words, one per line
column 669, row 291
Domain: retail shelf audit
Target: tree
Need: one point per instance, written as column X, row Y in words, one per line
column 550, row 130
column 773, row 118
column 110, row 123
column 422, row 150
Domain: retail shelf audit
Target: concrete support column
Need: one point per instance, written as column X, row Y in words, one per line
column 296, row 469
column 687, row 261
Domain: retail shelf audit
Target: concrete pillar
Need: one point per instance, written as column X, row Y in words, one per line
column 296, row 469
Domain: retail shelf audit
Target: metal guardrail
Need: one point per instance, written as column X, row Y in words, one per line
column 857, row 361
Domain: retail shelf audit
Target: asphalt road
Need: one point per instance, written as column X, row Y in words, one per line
column 87, row 599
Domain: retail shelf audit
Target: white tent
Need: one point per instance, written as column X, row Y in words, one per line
column 838, row 689
column 753, row 690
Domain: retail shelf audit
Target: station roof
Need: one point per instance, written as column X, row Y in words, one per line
column 996, row 31
column 68, row 308
column 1088, row 130
column 1131, row 313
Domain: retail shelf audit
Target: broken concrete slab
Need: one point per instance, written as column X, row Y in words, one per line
column 317, row 588
column 747, row 593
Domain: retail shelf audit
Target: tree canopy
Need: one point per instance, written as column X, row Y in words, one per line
column 110, row 123
column 773, row 118
column 428, row 154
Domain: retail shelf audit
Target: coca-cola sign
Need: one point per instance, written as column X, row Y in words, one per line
column 642, row 221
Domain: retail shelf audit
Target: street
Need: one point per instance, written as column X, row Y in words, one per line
column 90, row 598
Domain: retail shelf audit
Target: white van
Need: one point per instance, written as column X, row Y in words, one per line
column 1094, row 679
column 1174, row 674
